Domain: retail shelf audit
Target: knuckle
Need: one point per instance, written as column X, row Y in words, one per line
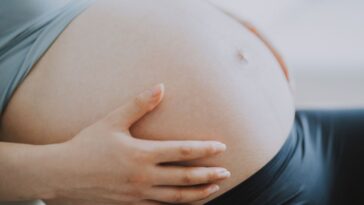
column 185, row 150
column 210, row 150
column 178, row 196
column 146, row 152
column 205, row 193
column 212, row 175
column 137, row 179
column 135, row 193
column 187, row 178
column 142, row 156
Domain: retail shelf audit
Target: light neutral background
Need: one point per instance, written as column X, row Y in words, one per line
column 321, row 41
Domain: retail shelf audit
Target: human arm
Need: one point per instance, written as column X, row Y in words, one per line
column 22, row 171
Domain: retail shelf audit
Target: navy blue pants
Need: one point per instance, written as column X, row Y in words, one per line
column 321, row 162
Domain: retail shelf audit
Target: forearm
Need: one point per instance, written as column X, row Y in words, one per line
column 23, row 175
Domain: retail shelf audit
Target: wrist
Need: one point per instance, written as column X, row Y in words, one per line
column 51, row 172
column 41, row 170
column 38, row 161
column 23, row 172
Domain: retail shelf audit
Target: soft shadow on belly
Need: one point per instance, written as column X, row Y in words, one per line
column 210, row 93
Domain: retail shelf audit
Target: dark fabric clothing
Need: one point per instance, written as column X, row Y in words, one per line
column 321, row 162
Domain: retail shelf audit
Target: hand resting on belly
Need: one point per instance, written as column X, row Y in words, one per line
column 222, row 82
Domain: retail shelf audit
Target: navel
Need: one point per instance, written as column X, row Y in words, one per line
column 241, row 56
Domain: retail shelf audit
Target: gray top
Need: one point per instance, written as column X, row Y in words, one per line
column 27, row 29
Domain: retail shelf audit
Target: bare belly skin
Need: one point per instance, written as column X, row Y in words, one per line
column 222, row 83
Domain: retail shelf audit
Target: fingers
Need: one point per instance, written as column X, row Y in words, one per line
column 175, row 151
column 150, row 202
column 136, row 108
column 178, row 195
column 184, row 176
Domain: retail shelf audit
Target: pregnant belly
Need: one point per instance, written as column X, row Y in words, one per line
column 221, row 82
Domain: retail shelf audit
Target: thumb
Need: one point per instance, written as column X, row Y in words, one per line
column 133, row 110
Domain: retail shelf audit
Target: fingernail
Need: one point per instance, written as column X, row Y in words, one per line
column 219, row 147
column 223, row 173
column 156, row 90
column 214, row 188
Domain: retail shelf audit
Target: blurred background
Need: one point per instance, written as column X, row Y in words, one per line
column 320, row 40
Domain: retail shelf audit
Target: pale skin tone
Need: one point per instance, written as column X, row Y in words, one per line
column 222, row 83
column 131, row 170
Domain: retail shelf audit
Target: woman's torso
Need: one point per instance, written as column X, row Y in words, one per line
column 115, row 49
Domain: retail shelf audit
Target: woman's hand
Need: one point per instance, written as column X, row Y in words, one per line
column 103, row 163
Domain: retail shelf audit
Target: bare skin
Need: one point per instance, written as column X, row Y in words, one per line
column 104, row 164
column 223, row 82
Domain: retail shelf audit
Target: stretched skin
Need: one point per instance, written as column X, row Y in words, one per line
column 222, row 82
